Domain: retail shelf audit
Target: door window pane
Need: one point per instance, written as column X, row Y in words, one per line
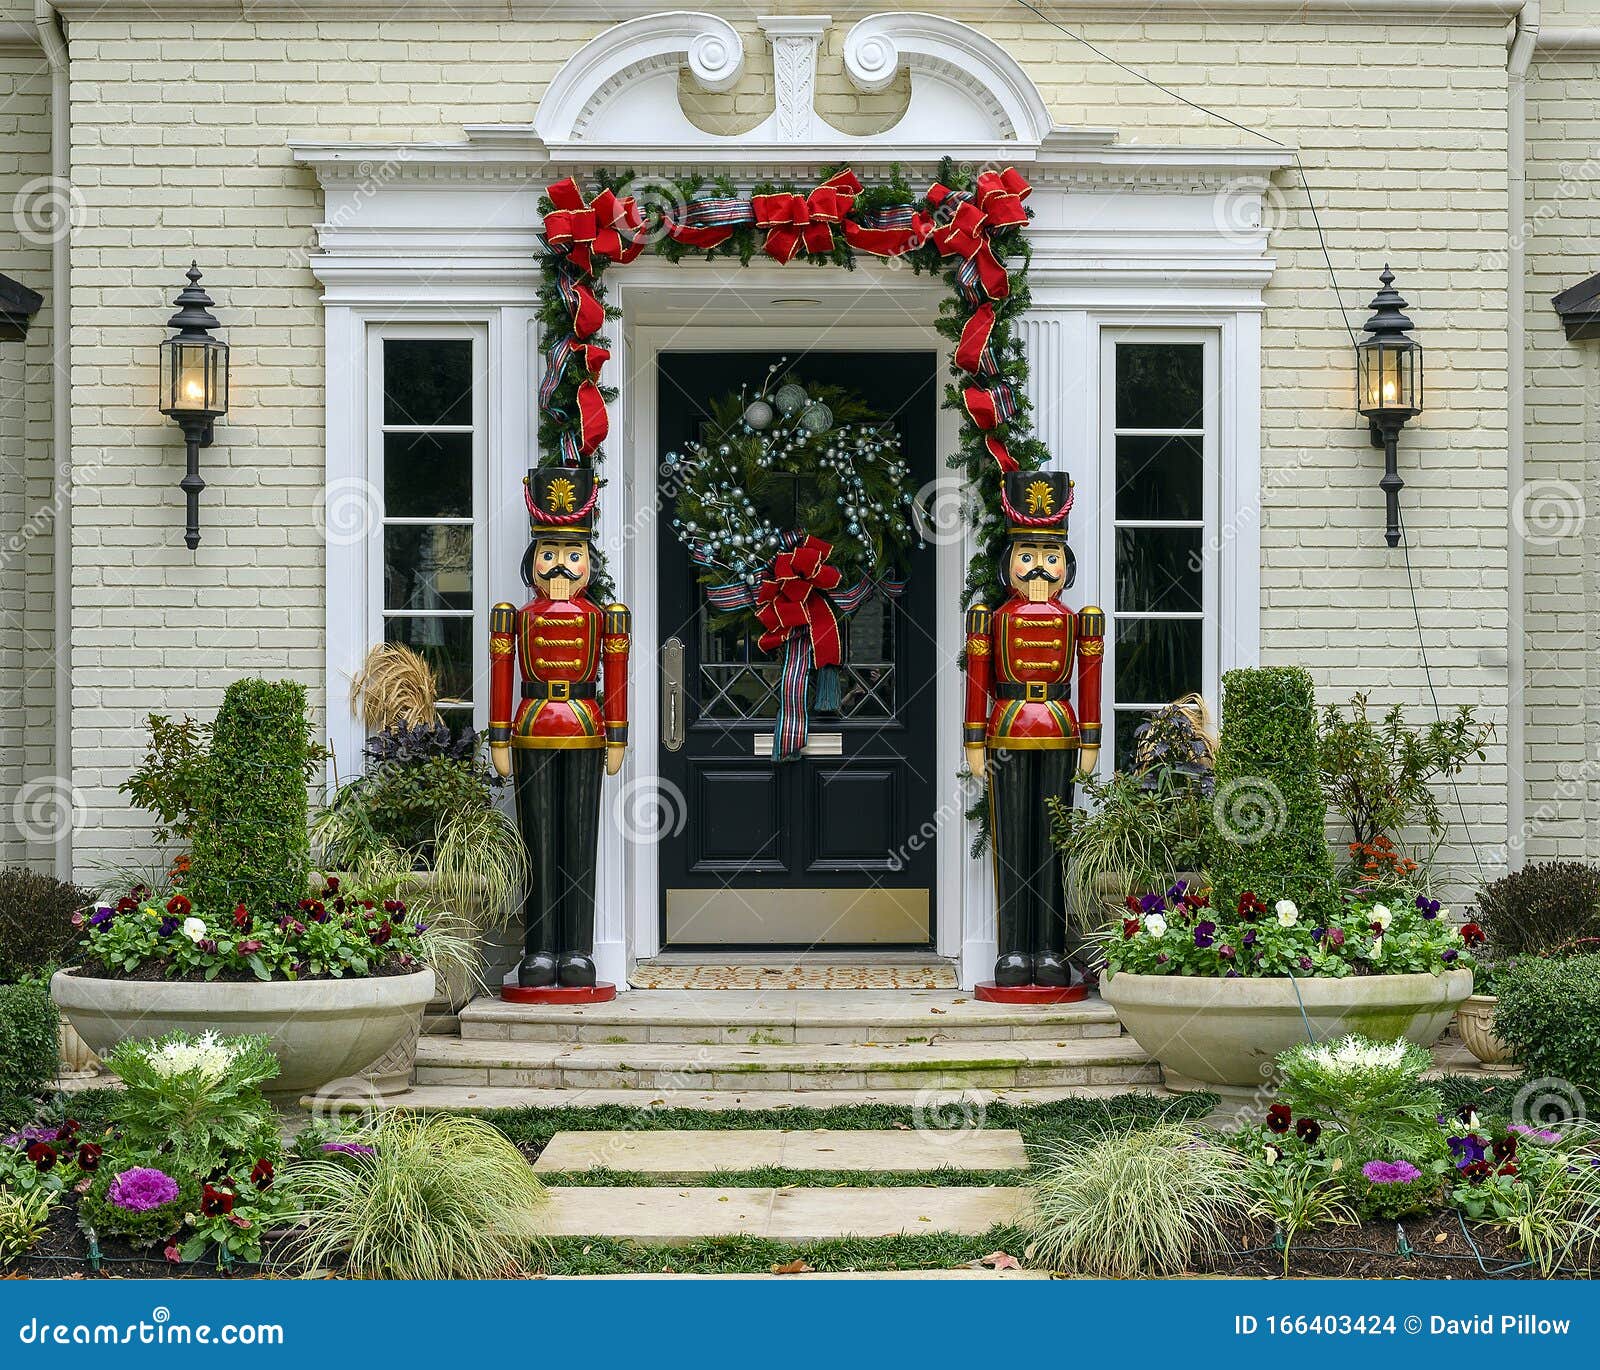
column 1160, row 478
column 427, row 475
column 427, row 382
column 1158, row 570
column 445, row 644
column 1160, row 385
column 1158, row 659
column 427, row 567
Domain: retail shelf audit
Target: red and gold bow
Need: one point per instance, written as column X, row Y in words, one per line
column 994, row 203
column 794, row 596
column 792, row 221
column 612, row 227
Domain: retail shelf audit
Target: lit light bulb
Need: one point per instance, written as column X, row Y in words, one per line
column 193, row 390
column 1388, row 392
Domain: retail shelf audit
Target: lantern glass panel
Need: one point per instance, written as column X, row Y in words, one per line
column 1390, row 376
column 194, row 377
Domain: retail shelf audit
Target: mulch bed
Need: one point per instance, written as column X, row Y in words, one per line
column 1442, row 1251
column 63, row 1253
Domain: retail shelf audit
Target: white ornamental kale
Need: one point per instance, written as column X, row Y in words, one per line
column 1355, row 1054
column 207, row 1056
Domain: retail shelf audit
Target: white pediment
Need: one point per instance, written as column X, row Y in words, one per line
column 618, row 95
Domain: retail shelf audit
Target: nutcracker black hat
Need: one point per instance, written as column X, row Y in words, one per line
column 1036, row 503
column 561, row 500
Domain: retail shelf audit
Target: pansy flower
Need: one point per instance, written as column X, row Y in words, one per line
column 1308, row 1130
column 1205, row 934
column 1130, row 928
column 178, row 906
column 215, row 1202
column 1279, row 1116
column 89, row 1154
column 1472, row 935
column 261, row 1173
column 43, row 1155
column 241, row 917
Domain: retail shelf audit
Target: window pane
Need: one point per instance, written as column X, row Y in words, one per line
column 1158, row 570
column 1158, row 659
column 1160, row 478
column 1159, row 385
column 427, row 475
column 446, row 645
column 427, row 381
column 427, row 568
column 869, row 632
column 1127, row 723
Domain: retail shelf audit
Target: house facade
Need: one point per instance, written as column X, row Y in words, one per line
column 1215, row 189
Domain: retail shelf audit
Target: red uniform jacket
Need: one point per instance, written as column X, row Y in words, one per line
column 1019, row 667
column 574, row 659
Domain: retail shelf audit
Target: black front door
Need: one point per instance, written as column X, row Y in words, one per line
column 834, row 847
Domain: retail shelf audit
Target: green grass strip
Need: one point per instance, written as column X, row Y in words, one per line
column 781, row 1177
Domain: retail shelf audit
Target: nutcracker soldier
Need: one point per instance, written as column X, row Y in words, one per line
column 569, row 725
column 1021, row 732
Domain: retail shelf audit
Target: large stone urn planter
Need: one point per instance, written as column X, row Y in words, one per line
column 1224, row 1035
column 320, row 1030
column 1475, row 1027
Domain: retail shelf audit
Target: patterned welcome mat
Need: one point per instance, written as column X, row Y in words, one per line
column 794, row 975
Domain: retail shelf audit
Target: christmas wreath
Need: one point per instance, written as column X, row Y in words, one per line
column 796, row 507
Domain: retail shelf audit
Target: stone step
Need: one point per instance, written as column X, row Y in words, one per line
column 779, row 1017
column 952, row 1105
column 671, row 1215
column 705, row 1152
column 820, row 1066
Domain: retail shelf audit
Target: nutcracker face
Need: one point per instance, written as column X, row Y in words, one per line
column 560, row 566
column 1037, row 568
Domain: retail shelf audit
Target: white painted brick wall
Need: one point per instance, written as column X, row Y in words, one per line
column 178, row 144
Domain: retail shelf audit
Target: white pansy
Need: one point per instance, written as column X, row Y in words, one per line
column 1155, row 925
column 1288, row 913
column 194, row 928
column 1382, row 916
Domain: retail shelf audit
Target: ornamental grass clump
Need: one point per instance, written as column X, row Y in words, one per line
column 1373, row 1092
column 419, row 1197
column 1129, row 1204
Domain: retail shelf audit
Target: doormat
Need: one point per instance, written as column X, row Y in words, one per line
column 781, row 975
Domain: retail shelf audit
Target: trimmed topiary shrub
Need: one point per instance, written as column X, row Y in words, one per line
column 29, row 1048
column 1540, row 908
column 1271, row 816
column 250, row 842
column 1549, row 1015
column 36, row 932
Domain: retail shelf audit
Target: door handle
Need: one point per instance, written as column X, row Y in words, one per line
column 672, row 703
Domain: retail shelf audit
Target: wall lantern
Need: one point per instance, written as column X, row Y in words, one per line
column 194, row 385
column 1389, row 387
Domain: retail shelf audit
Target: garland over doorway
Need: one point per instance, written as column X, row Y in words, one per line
column 970, row 226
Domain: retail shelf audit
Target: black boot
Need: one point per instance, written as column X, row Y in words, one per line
column 1013, row 969
column 537, row 970
column 1049, row 968
column 575, row 969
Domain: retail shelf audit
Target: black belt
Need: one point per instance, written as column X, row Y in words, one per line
column 558, row 689
column 1035, row 691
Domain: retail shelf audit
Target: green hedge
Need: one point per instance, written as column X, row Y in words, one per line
column 1549, row 1014
column 250, row 839
column 1271, row 816
column 29, row 1048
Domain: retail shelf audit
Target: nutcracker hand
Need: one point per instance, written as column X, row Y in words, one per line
column 615, row 751
column 500, row 755
column 1087, row 757
column 977, row 762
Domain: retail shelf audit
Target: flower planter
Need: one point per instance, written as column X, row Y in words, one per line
column 320, row 1030
column 1224, row 1035
column 77, row 1061
column 1475, row 1027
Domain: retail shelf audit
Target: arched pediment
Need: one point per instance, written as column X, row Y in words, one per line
column 620, row 90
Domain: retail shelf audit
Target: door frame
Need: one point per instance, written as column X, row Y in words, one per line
column 629, row 531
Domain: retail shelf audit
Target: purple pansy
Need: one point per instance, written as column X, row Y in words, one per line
column 1205, row 933
column 1466, row 1149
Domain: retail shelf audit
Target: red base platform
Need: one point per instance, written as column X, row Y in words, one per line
column 991, row 993
column 559, row 994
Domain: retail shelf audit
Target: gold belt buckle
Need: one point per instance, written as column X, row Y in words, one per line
column 1036, row 691
column 558, row 689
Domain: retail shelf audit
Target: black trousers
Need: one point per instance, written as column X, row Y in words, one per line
column 1030, row 895
column 558, row 810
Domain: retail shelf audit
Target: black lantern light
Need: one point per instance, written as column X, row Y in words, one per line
column 1389, row 387
column 194, row 385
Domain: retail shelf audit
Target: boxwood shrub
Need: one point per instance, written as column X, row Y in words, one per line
column 250, row 843
column 1549, row 1014
column 29, row 1048
column 1271, row 816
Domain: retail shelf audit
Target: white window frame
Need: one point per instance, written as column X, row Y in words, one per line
column 1210, row 523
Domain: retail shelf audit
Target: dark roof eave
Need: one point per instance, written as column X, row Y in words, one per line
column 1578, row 307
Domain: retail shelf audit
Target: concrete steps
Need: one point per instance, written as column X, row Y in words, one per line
column 885, row 1067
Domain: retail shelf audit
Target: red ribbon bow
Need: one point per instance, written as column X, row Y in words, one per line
column 612, row 227
column 794, row 596
column 791, row 220
column 995, row 202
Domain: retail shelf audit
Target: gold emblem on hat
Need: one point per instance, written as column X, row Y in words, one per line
column 559, row 497
column 1040, row 500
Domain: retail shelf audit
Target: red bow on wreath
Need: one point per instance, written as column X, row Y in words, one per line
column 612, row 227
column 994, row 203
column 794, row 596
column 791, row 220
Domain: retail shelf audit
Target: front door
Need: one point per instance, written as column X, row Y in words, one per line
column 833, row 847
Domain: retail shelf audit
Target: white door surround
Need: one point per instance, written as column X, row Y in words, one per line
column 1123, row 237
